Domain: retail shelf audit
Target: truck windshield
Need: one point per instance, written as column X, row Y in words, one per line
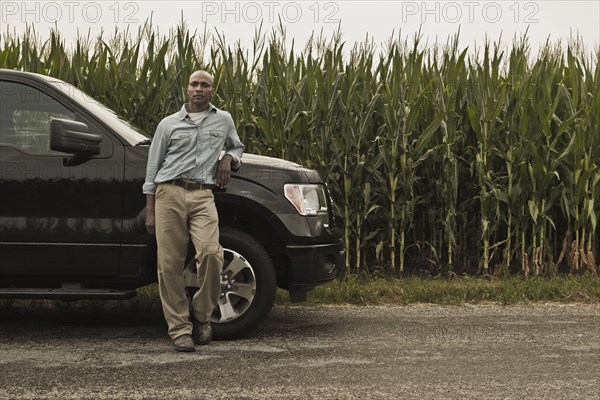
column 125, row 130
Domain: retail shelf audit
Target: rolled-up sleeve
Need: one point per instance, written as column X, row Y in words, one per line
column 156, row 156
column 233, row 145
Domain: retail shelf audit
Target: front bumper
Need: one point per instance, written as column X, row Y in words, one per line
column 314, row 264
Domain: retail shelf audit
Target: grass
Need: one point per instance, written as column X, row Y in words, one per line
column 455, row 291
column 384, row 291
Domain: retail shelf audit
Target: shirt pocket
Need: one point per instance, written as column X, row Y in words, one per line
column 216, row 139
column 182, row 140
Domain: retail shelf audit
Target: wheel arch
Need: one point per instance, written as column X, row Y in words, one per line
column 253, row 218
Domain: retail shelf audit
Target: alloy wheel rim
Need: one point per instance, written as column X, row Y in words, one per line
column 238, row 288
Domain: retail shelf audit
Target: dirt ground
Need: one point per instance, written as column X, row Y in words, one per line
column 341, row 352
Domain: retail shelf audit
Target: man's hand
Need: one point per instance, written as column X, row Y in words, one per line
column 224, row 171
column 150, row 218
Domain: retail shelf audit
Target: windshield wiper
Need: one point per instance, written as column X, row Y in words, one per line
column 146, row 142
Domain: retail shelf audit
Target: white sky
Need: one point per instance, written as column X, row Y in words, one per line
column 237, row 20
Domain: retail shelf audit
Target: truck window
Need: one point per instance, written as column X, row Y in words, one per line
column 25, row 115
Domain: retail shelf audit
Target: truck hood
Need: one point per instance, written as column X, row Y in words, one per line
column 271, row 171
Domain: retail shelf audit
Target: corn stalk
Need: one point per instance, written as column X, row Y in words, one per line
column 481, row 163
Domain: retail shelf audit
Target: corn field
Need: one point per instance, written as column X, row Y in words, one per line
column 439, row 160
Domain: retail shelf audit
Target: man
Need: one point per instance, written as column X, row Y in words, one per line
column 183, row 167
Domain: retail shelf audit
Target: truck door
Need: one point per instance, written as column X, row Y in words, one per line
column 58, row 219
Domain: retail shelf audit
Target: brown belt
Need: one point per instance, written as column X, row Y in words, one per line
column 191, row 185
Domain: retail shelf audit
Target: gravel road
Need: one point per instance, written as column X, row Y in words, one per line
column 341, row 352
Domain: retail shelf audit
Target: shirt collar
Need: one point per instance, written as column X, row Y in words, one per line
column 183, row 113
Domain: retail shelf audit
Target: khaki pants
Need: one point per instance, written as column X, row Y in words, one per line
column 180, row 215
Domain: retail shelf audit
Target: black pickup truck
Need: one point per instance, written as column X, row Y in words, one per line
column 72, row 211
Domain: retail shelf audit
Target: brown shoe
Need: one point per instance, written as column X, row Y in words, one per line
column 184, row 343
column 202, row 332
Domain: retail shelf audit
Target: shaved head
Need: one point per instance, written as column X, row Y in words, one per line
column 200, row 74
column 200, row 91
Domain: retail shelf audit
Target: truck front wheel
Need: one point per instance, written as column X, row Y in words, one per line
column 248, row 285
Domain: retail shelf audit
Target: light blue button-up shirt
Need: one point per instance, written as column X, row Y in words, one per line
column 182, row 149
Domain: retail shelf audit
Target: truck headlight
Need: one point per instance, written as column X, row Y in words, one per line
column 308, row 199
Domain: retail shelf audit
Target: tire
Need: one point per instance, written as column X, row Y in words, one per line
column 248, row 285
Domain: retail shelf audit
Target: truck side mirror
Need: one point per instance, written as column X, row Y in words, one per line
column 73, row 137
